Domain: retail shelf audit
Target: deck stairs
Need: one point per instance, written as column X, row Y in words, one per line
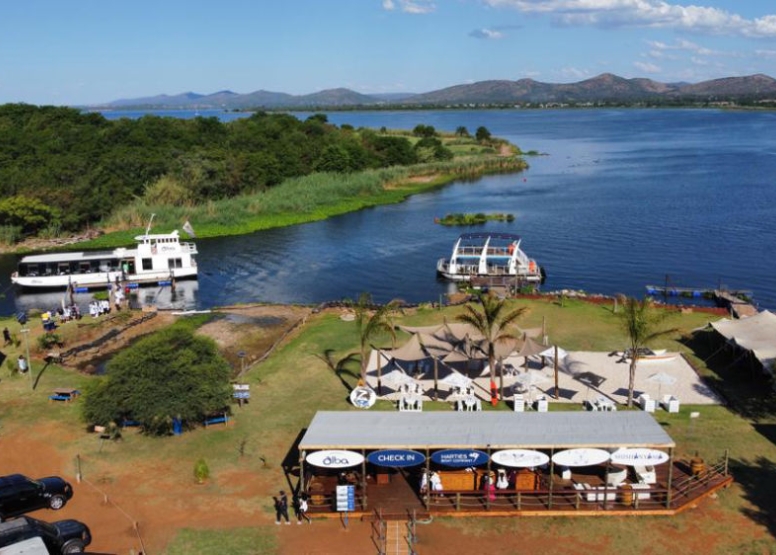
column 394, row 534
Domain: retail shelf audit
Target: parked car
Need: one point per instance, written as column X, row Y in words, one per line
column 64, row 536
column 20, row 494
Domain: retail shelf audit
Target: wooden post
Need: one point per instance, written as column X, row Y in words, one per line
column 552, row 476
column 488, row 483
column 555, row 369
column 670, row 476
column 78, row 468
column 427, row 496
column 363, row 473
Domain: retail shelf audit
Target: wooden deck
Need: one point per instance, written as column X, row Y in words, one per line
column 399, row 498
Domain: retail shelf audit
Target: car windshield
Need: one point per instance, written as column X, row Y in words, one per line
column 49, row 528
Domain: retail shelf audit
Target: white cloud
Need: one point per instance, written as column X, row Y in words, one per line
column 646, row 67
column 768, row 54
column 574, row 73
column 645, row 13
column 410, row 6
column 486, row 34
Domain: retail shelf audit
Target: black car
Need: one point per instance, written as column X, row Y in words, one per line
column 64, row 536
column 20, row 494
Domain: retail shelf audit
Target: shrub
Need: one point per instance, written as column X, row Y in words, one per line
column 201, row 471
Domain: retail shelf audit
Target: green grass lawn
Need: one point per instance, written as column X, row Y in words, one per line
column 316, row 367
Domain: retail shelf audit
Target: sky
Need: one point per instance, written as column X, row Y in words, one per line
column 86, row 52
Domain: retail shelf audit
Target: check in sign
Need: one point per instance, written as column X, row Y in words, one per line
column 396, row 458
column 346, row 498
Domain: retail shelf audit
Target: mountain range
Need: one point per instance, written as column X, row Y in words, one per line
column 603, row 88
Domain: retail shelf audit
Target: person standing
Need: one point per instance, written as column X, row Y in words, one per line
column 281, row 508
column 301, row 510
column 22, row 362
column 7, row 336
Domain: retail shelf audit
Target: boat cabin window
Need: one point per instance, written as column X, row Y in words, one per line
column 63, row 268
column 174, row 263
column 147, row 264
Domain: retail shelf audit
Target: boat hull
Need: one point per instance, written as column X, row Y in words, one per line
column 443, row 271
column 101, row 280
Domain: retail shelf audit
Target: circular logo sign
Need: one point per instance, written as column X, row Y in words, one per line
column 363, row 397
column 520, row 458
column 639, row 457
column 460, row 457
column 580, row 457
column 331, row 458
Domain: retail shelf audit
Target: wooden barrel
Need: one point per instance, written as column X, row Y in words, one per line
column 626, row 495
column 697, row 466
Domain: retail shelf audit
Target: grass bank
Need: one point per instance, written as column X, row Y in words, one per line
column 302, row 200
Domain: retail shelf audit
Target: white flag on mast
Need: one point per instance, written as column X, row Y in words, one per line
column 188, row 229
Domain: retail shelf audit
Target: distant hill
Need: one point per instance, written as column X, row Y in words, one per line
column 603, row 88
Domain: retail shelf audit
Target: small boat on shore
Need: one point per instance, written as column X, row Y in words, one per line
column 157, row 259
column 489, row 255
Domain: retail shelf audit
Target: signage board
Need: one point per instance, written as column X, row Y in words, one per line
column 580, row 457
column 520, row 458
column 332, row 458
column 363, row 397
column 639, row 457
column 396, row 458
column 460, row 458
column 346, row 498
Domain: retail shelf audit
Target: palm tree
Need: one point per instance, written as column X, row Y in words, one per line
column 371, row 320
column 492, row 323
column 641, row 323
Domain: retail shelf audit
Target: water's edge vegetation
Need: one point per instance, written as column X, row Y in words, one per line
column 301, row 200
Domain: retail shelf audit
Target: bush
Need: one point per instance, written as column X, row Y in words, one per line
column 49, row 340
column 201, row 471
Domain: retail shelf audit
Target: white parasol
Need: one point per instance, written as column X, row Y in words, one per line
column 456, row 379
column 396, row 378
column 661, row 378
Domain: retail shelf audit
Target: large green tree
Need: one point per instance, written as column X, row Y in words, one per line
column 642, row 323
column 491, row 318
column 171, row 374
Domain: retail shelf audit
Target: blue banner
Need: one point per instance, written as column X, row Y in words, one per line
column 396, row 458
column 460, row 457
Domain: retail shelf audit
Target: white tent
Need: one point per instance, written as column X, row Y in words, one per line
column 756, row 334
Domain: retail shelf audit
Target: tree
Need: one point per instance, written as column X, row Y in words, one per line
column 461, row 131
column 424, row 131
column 641, row 322
column 371, row 320
column 29, row 214
column 492, row 322
column 171, row 374
column 482, row 134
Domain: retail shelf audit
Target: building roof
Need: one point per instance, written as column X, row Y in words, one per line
column 499, row 430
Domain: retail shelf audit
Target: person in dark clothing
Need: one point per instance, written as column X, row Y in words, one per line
column 7, row 336
column 281, row 508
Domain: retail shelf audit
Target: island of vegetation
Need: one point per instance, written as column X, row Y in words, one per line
column 63, row 171
column 473, row 219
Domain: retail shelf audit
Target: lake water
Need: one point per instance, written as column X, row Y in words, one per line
column 618, row 200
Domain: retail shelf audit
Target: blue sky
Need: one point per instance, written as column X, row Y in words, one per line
column 86, row 52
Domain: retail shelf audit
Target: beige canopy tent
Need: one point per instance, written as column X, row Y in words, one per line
column 755, row 334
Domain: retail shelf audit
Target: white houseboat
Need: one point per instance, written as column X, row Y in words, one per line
column 489, row 255
column 157, row 259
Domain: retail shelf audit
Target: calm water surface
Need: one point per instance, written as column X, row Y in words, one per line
column 619, row 199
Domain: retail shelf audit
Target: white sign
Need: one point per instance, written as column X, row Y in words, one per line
column 346, row 498
column 363, row 397
column 520, row 458
column 639, row 457
column 580, row 457
column 332, row 458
